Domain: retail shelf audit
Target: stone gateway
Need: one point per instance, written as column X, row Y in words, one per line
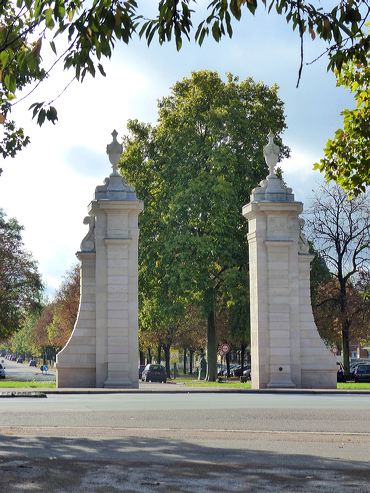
column 103, row 348
column 286, row 348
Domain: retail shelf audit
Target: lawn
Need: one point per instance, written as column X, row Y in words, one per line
column 235, row 384
column 12, row 384
column 188, row 382
column 353, row 385
column 228, row 384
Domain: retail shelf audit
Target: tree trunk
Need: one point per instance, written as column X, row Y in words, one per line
column 185, row 360
column 345, row 346
column 142, row 357
column 159, row 354
column 167, row 352
column 191, row 361
column 211, row 344
column 242, row 356
column 149, row 357
column 227, row 358
column 345, row 323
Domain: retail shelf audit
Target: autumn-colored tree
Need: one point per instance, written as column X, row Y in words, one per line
column 40, row 328
column 341, row 229
column 192, row 334
column 55, row 324
column 65, row 308
column 328, row 316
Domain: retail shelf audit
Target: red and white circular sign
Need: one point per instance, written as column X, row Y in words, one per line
column 225, row 348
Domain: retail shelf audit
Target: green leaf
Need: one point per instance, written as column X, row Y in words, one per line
column 4, row 57
column 235, row 9
column 51, row 115
column 52, row 45
column 41, row 117
column 10, row 82
column 101, row 69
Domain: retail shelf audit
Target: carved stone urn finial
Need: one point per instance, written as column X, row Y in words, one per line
column 114, row 151
column 271, row 154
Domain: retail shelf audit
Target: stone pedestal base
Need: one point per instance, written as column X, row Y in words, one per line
column 75, row 377
column 121, row 384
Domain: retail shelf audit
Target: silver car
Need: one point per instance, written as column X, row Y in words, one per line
column 2, row 371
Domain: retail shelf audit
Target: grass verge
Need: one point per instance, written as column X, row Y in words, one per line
column 12, row 384
column 229, row 384
column 353, row 385
column 234, row 384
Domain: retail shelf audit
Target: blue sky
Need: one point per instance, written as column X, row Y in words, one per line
column 49, row 185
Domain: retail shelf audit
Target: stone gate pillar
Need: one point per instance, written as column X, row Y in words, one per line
column 103, row 348
column 286, row 349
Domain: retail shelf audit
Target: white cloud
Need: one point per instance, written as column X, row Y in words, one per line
column 299, row 174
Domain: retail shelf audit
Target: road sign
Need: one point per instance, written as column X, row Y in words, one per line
column 45, row 368
column 224, row 348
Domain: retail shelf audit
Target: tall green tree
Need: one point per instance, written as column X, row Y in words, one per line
column 23, row 341
column 347, row 155
column 195, row 169
column 82, row 34
column 20, row 281
column 235, row 296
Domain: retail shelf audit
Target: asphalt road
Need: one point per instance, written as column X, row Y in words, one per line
column 185, row 443
column 25, row 373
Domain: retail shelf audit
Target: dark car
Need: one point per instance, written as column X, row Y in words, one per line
column 238, row 371
column 232, row 367
column 141, row 369
column 341, row 375
column 20, row 360
column 32, row 362
column 2, row 371
column 220, row 369
column 154, row 373
column 362, row 373
column 247, row 372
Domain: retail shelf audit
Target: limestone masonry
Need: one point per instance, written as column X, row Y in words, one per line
column 103, row 348
column 286, row 348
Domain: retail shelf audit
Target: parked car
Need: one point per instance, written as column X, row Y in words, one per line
column 154, row 373
column 20, row 360
column 341, row 376
column 220, row 369
column 2, row 371
column 141, row 369
column 247, row 372
column 362, row 373
column 13, row 358
column 237, row 371
column 232, row 366
column 32, row 362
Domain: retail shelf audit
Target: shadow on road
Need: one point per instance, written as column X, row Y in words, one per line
column 133, row 464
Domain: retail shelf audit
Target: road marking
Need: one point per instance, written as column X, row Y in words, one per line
column 127, row 430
